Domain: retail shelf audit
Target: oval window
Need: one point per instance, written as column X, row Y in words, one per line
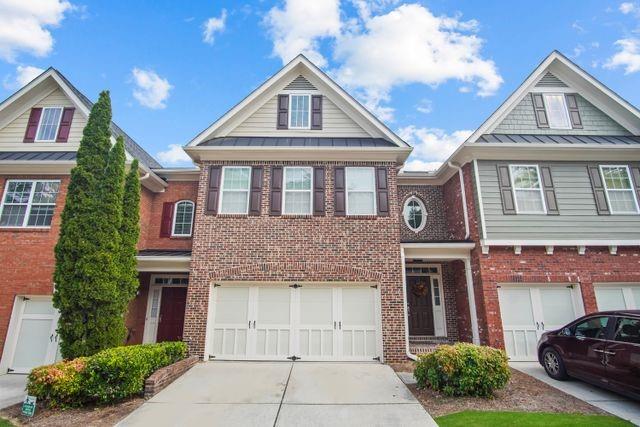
column 415, row 214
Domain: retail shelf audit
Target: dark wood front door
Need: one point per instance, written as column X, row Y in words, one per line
column 420, row 310
column 171, row 322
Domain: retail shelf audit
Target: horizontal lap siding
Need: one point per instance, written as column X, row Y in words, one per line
column 578, row 217
column 335, row 123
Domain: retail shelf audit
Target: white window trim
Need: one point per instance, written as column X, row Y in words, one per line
column 175, row 216
column 284, row 190
column 290, row 110
column 514, row 189
column 565, row 110
column 424, row 214
column 222, row 190
column 55, row 137
column 25, row 221
column 606, row 190
column 346, row 191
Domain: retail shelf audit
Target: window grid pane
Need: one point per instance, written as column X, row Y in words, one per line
column 413, row 215
column 49, row 124
column 297, row 197
column 526, row 185
column 235, row 190
column 557, row 111
column 184, row 219
column 619, row 189
column 30, row 200
column 299, row 111
column 360, row 191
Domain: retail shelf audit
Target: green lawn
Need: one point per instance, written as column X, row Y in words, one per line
column 526, row 419
column 5, row 423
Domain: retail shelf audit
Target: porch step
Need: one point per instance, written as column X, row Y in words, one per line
column 426, row 344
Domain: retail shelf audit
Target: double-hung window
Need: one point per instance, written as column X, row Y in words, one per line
column 297, row 191
column 361, row 191
column 620, row 192
column 557, row 112
column 299, row 111
column 527, row 189
column 28, row 203
column 234, row 193
column 49, row 124
column 183, row 219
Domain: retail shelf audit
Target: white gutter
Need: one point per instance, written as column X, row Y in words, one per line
column 464, row 198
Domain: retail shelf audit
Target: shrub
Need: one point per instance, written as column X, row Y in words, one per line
column 463, row 370
column 106, row 377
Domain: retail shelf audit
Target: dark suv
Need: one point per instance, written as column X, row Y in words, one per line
column 600, row 348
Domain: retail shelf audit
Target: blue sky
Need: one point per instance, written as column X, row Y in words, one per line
column 433, row 70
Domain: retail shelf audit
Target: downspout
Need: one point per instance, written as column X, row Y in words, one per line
column 464, row 199
column 145, row 176
column 406, row 314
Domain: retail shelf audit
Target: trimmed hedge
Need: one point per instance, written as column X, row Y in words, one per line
column 106, row 377
column 463, row 369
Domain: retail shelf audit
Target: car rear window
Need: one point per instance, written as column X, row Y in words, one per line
column 594, row 327
column 627, row 330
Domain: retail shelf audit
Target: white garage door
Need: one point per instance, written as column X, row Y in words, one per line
column 625, row 297
column 529, row 311
column 308, row 322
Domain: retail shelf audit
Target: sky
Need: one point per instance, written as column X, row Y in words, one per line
column 433, row 71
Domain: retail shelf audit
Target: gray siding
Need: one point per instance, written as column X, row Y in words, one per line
column 578, row 217
column 522, row 120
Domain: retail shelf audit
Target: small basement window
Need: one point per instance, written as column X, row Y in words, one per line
column 49, row 124
column 299, row 111
column 415, row 214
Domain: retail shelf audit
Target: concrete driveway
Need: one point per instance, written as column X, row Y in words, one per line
column 613, row 403
column 283, row 394
column 12, row 389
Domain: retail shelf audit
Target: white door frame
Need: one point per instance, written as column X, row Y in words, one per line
column 294, row 313
column 151, row 322
column 442, row 310
column 625, row 287
column 13, row 332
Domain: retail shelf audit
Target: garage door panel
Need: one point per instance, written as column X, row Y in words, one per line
column 618, row 297
column 358, row 323
column 273, row 322
column 557, row 307
column 230, row 334
column 316, row 327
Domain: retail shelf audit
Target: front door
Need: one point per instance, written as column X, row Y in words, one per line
column 419, row 305
column 171, row 320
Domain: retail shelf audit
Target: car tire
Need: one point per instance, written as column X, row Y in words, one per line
column 553, row 364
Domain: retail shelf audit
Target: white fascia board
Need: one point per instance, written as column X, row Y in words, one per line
column 177, row 174
column 163, row 263
column 559, row 242
column 437, row 251
column 22, row 91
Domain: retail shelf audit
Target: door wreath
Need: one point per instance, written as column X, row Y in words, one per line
column 420, row 289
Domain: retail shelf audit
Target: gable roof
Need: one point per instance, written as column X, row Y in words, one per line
column 85, row 104
column 318, row 79
column 570, row 74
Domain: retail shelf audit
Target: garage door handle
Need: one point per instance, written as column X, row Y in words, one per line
column 537, row 325
column 334, row 325
column 339, row 325
column 254, row 324
column 249, row 324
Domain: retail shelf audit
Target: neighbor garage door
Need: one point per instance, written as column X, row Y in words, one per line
column 622, row 297
column 529, row 311
column 309, row 322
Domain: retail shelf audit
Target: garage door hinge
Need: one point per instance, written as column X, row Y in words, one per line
column 9, row 370
column 570, row 286
column 374, row 286
column 377, row 358
column 293, row 358
column 26, row 299
column 295, row 286
column 211, row 357
column 216, row 285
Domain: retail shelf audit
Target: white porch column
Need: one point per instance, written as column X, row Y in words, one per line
column 473, row 314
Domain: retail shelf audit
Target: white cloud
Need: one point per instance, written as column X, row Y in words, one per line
column 425, row 106
column 431, row 146
column 151, row 90
column 24, row 74
column 212, row 26
column 174, row 155
column 628, row 56
column 299, row 27
column 24, row 26
column 578, row 50
column 628, row 7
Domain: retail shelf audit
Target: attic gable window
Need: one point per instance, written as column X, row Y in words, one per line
column 49, row 123
column 299, row 111
column 557, row 111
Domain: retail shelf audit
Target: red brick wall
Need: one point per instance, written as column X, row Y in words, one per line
column 436, row 223
column 265, row 248
column 176, row 191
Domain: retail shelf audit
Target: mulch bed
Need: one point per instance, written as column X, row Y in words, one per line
column 92, row 416
column 522, row 393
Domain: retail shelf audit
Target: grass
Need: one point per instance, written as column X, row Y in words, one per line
column 5, row 423
column 526, row 419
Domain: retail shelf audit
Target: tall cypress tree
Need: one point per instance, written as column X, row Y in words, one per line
column 129, row 234
column 87, row 274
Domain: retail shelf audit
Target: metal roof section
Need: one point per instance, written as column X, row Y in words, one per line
column 163, row 253
column 42, row 156
column 559, row 139
column 297, row 142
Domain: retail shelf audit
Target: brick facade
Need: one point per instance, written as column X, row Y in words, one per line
column 436, row 224
column 303, row 248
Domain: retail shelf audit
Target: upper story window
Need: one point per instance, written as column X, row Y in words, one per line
column 299, row 111
column 297, row 191
column 527, row 189
column 619, row 189
column 183, row 219
column 415, row 214
column 234, row 192
column 49, row 124
column 28, row 203
column 557, row 112
column 361, row 191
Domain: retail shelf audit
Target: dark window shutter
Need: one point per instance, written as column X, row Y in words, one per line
column 383, row 191
column 539, row 110
column 65, row 124
column 32, row 125
column 339, row 192
column 276, row 191
column 599, row 192
column 213, row 190
column 255, row 198
column 506, row 192
column 316, row 112
column 635, row 176
column 549, row 191
column 283, row 112
column 318, row 191
column 167, row 219
column 574, row 113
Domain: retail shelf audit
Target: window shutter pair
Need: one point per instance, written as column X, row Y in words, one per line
column 63, row 129
column 213, row 190
column 507, row 193
column 382, row 191
column 283, row 112
column 574, row 113
column 599, row 192
column 167, row 219
column 65, row 124
column 541, row 113
column 318, row 190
